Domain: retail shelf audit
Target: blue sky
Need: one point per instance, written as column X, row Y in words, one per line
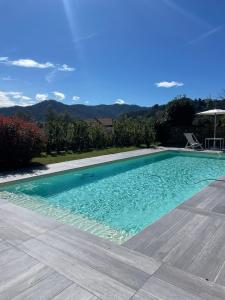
column 95, row 51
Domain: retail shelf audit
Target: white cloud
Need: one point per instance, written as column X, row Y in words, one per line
column 25, row 98
column 168, row 84
column 86, row 102
column 76, row 98
column 119, row 101
column 17, row 95
column 30, row 63
column 5, row 100
column 66, row 68
column 14, row 98
column 41, row 97
column 59, row 96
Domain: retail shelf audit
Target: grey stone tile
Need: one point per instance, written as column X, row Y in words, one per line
column 75, row 292
column 98, row 259
column 84, row 240
column 4, row 245
column 17, row 284
column 152, row 232
column 12, row 234
column 13, row 271
column 26, row 220
column 9, row 254
column 156, row 288
column 208, row 262
column 192, row 284
column 45, row 289
column 96, row 282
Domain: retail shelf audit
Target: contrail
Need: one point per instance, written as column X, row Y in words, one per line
column 206, row 34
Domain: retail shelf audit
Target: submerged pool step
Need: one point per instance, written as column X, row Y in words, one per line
column 77, row 220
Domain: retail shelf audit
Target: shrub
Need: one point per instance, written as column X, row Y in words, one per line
column 20, row 140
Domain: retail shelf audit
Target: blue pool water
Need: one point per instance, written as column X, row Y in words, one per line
column 119, row 199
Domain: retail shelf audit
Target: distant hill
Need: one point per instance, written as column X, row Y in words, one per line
column 39, row 111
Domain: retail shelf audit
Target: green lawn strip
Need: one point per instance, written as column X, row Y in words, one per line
column 56, row 158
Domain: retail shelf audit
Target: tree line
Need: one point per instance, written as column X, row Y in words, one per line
column 21, row 138
column 64, row 133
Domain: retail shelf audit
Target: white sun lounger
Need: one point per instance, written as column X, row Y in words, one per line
column 192, row 141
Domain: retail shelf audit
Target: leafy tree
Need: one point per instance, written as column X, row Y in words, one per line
column 148, row 132
column 180, row 112
column 20, row 140
column 124, row 132
column 99, row 136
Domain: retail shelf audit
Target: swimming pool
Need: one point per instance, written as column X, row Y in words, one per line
column 119, row 199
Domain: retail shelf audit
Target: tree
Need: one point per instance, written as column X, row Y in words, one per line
column 20, row 140
column 149, row 132
column 180, row 112
column 99, row 136
column 124, row 131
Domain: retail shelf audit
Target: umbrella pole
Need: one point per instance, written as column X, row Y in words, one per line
column 214, row 141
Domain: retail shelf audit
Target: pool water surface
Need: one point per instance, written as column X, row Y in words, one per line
column 119, row 199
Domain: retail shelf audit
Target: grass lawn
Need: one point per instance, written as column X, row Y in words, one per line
column 56, row 158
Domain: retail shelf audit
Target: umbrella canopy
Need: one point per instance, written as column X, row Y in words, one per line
column 213, row 112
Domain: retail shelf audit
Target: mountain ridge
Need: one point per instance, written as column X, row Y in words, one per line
column 39, row 111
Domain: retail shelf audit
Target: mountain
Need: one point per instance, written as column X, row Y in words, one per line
column 39, row 111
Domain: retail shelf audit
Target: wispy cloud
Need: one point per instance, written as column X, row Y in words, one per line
column 59, row 96
column 12, row 98
column 168, row 84
column 85, row 37
column 206, row 34
column 41, row 97
column 30, row 63
column 51, row 76
column 120, row 101
column 3, row 58
column 7, row 78
column 66, row 68
column 209, row 29
column 184, row 12
column 76, row 98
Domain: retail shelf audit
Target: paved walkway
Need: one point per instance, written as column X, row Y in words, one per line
column 181, row 256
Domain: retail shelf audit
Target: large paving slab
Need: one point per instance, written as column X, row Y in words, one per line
column 51, row 260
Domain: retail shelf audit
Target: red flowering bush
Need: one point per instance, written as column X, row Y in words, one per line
column 20, row 140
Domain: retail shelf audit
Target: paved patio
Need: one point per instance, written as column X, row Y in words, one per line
column 181, row 256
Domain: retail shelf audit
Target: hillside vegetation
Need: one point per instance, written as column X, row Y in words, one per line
column 39, row 111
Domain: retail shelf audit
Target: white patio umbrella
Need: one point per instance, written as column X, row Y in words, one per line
column 215, row 113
